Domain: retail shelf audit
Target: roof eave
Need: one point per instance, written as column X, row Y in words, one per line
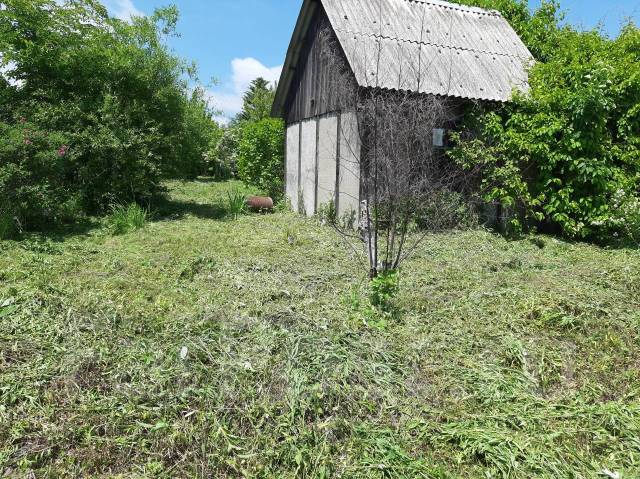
column 309, row 8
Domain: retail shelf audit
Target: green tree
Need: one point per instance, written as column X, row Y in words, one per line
column 257, row 101
column 98, row 110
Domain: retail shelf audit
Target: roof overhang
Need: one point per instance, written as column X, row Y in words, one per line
column 291, row 64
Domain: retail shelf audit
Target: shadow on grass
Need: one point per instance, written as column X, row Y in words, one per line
column 167, row 209
column 57, row 233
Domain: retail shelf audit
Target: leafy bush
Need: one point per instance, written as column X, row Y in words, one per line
column 221, row 158
column 565, row 151
column 261, row 156
column 7, row 225
column 124, row 219
column 97, row 112
column 384, row 288
column 624, row 218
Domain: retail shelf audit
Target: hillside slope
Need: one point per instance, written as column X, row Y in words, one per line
column 204, row 347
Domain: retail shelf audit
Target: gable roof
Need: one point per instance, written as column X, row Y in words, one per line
column 426, row 46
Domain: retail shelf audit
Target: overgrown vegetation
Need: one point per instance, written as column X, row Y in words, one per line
column 251, row 147
column 261, row 156
column 94, row 110
column 124, row 219
column 236, row 203
column 199, row 347
column 567, row 154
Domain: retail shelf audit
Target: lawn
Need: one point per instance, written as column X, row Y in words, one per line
column 200, row 346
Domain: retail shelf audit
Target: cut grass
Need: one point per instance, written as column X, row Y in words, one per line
column 200, row 347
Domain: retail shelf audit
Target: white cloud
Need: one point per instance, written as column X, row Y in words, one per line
column 123, row 9
column 228, row 98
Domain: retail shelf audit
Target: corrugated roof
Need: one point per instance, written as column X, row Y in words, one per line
column 427, row 46
column 430, row 46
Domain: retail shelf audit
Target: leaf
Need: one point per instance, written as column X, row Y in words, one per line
column 7, row 310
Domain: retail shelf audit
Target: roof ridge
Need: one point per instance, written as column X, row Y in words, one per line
column 457, row 6
column 450, row 47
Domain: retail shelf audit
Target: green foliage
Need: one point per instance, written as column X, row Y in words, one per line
column 98, row 113
column 384, row 288
column 194, row 138
column 257, row 101
column 261, row 156
column 569, row 150
column 126, row 218
column 7, row 225
column 221, row 158
column 236, row 204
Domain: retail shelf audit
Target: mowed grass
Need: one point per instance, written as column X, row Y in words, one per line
column 200, row 346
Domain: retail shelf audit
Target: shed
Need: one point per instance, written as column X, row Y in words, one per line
column 461, row 52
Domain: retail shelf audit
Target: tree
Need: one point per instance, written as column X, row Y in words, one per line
column 97, row 111
column 257, row 101
column 261, row 156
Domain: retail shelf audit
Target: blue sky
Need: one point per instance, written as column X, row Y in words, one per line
column 235, row 41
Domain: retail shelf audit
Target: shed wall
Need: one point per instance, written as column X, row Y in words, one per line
column 327, row 158
column 293, row 164
column 313, row 89
column 327, row 149
column 308, row 166
column 349, row 161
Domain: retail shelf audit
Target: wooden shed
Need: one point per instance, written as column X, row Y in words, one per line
column 452, row 51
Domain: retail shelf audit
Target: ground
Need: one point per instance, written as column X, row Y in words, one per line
column 200, row 346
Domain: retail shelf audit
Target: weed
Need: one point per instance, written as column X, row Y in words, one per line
column 384, row 289
column 236, row 203
column 124, row 219
column 328, row 214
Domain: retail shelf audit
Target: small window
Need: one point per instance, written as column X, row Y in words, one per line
column 438, row 137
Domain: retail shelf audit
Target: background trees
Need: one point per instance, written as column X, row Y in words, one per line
column 94, row 110
column 252, row 145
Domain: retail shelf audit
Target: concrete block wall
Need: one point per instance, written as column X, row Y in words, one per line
column 292, row 165
column 349, row 177
column 322, row 155
column 307, row 183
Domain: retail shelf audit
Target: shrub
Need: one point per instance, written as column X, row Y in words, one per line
column 563, row 151
column 7, row 225
column 98, row 112
column 384, row 288
column 261, row 156
column 124, row 219
column 221, row 158
column 624, row 219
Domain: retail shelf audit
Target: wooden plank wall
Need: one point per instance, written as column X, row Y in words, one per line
column 313, row 89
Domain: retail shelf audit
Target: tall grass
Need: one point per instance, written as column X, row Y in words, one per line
column 236, row 203
column 126, row 218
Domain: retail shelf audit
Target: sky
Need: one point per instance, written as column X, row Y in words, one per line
column 236, row 41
